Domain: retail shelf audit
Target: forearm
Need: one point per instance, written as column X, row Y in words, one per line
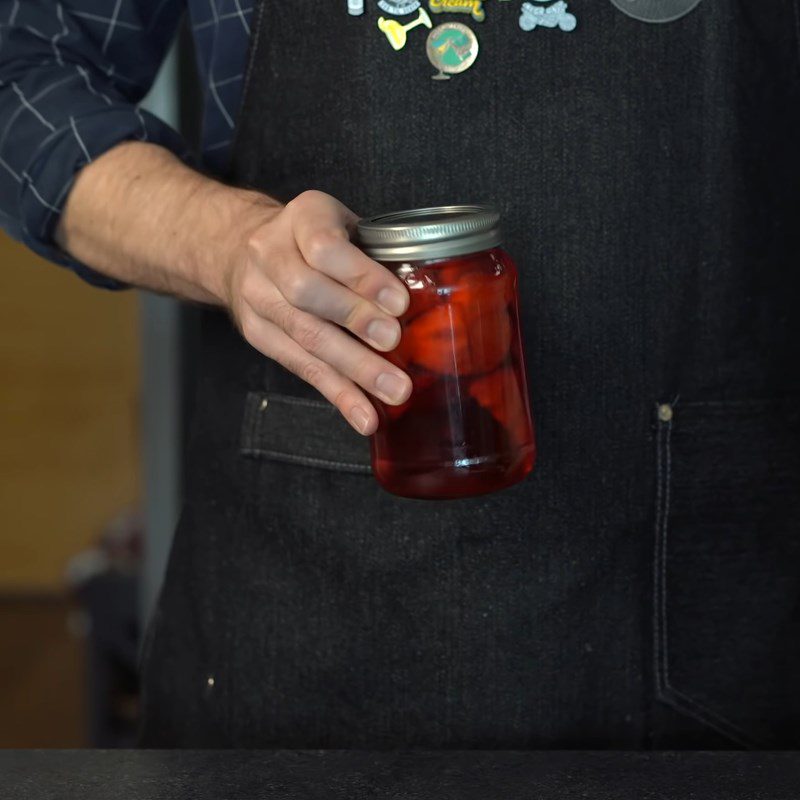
column 138, row 214
column 299, row 290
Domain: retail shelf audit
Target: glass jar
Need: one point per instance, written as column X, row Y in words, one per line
column 466, row 429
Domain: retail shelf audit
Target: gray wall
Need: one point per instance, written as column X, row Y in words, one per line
column 161, row 422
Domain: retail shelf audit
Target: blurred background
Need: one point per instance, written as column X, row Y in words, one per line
column 95, row 401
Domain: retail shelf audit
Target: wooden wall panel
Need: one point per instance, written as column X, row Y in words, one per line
column 69, row 374
column 42, row 675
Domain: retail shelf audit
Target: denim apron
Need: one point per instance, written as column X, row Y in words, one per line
column 642, row 587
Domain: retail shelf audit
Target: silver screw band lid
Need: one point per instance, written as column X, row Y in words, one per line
column 427, row 233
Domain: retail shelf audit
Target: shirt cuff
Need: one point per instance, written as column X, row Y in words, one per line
column 52, row 172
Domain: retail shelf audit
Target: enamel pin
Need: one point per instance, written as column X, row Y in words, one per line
column 397, row 33
column 554, row 16
column 452, row 48
column 473, row 7
column 399, row 8
column 656, row 10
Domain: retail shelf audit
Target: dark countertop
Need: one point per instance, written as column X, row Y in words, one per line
column 351, row 775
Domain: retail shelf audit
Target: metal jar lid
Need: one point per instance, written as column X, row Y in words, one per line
column 427, row 233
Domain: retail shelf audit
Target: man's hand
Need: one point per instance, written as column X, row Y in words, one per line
column 301, row 285
column 300, row 292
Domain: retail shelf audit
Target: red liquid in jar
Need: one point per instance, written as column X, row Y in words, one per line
column 466, row 429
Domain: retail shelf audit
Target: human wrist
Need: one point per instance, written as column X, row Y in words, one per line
column 218, row 235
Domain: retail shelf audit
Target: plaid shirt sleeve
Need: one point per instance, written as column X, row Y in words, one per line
column 71, row 76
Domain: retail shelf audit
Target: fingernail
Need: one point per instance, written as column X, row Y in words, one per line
column 391, row 386
column 383, row 333
column 359, row 418
column 393, row 301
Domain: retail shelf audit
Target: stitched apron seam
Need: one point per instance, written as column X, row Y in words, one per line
column 306, row 460
column 666, row 692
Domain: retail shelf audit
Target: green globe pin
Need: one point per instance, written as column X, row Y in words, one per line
column 452, row 48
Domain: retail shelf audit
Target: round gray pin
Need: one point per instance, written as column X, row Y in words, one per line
column 656, row 10
column 399, row 7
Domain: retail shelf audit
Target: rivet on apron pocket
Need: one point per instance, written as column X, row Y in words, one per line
column 665, row 412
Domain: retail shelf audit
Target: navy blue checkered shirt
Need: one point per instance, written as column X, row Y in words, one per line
column 72, row 74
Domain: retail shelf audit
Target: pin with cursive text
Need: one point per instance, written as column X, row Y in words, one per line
column 473, row 7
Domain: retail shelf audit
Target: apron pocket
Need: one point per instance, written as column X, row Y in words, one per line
column 727, row 567
column 297, row 430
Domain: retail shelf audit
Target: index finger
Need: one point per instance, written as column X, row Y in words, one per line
column 321, row 234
